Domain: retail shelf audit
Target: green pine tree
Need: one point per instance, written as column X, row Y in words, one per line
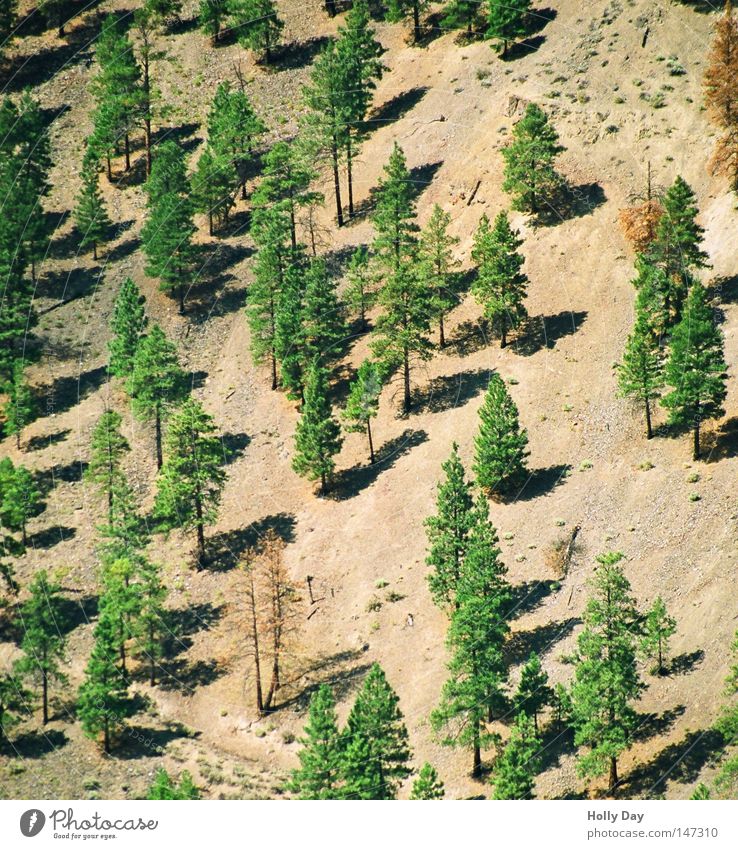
column 319, row 775
column 362, row 404
column 256, row 24
column 42, row 620
column 20, row 407
column 696, row 368
column 318, row 434
column 213, row 185
column 157, row 384
column 398, row 10
column 641, row 373
column 16, row 702
column 166, row 788
column 500, row 445
column 507, row 21
column 192, row 478
column 120, row 602
column 211, row 16
column 20, row 501
column 360, row 292
column 658, row 628
column 500, row 285
column 107, row 448
column 515, row 770
column 606, row 680
column 462, row 14
column 127, row 326
column 90, row 214
column 529, row 171
column 376, row 747
column 427, row 785
column 437, row 259
column 151, row 621
column 533, row 693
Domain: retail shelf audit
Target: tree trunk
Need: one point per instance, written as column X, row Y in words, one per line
column 110, row 171
column 349, row 159
column 407, row 404
column 94, row 251
column 127, row 143
column 157, row 425
column 152, row 668
column 123, row 657
column 503, row 337
column 649, row 429
column 371, row 443
column 257, row 659
column 441, row 332
column 106, row 737
column 45, row 694
column 200, row 533
column 180, row 292
column 147, row 119
column 274, row 371
column 322, row 482
column 210, row 220
column 336, row 183
column 416, row 21
column 613, row 775
column 477, row 766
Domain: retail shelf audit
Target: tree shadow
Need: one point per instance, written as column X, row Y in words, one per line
column 447, row 392
column 186, row 676
column 137, row 741
column 721, row 444
column 521, row 644
column 538, row 19
column 394, row 108
column 233, row 445
column 544, row 331
column 122, row 250
column 36, row 744
column 181, row 134
column 529, row 596
column 432, row 28
column 556, row 743
column 572, row 202
column 298, row 54
column 182, row 622
column 724, row 289
column 683, row 664
column 350, row 482
column 226, row 549
column 656, row 724
column 38, row 443
column 66, row 392
column 49, row 537
column 76, row 611
column 420, row 178
column 541, row 482
column 67, row 286
column 681, row 762
column 338, row 670
column 523, row 48
column 71, row 472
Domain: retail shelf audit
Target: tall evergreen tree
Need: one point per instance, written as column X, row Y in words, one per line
column 127, row 326
column 376, row 747
column 43, row 622
column 696, row 368
column 427, row 785
column 448, row 531
column 500, row 285
column 507, row 21
column 120, row 603
column 398, row 10
column 107, row 448
column 318, row 434
column 151, row 621
column 360, row 292
column 21, row 406
column 514, row 772
column 362, row 404
column 157, row 384
column 256, row 24
column 319, row 775
column 529, row 171
column 16, row 702
column 533, row 693
column 606, row 681
column 192, row 478
column 20, row 500
column 213, row 185
column 90, row 214
column 640, row 375
column 658, row 628
column 211, row 17
column 462, row 14
column 500, row 445
column 437, row 259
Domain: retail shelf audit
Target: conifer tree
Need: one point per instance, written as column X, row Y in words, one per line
column 676, row 249
column 126, row 534
column 360, row 292
column 20, row 500
column 211, row 16
column 166, row 788
column 658, row 628
column 120, row 602
column 256, row 24
column 652, row 288
column 533, row 693
column 376, row 747
column 290, row 341
column 398, row 10
column 514, row 772
column 192, row 478
column 437, row 259
column 318, row 434
column 529, row 170
column 323, row 327
column 43, row 623
column 17, row 315
column 462, row 14
column 15, row 701
column 157, row 384
column 151, row 624
column 212, row 188
column 90, row 214
column 103, row 702
column 448, row 531
column 696, row 368
column 402, row 328
column 507, row 21
column 427, row 785
column 500, row 446
column 319, row 775
column 721, row 96
column 127, row 326
column 107, row 448
column 362, row 404
column 606, row 681
column 640, row 375
column 500, row 285
column 21, row 406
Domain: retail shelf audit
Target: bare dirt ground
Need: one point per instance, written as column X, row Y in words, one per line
column 451, row 107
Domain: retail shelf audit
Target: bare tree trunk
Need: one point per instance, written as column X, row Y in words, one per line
column 336, row 183
column 649, row 429
column 371, row 443
column 407, row 404
column 349, row 160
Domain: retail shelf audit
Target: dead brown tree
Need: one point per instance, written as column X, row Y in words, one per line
column 721, row 93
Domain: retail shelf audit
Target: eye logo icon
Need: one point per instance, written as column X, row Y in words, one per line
column 31, row 822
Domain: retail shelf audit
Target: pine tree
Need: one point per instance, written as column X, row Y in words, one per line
column 323, row 330
column 606, row 680
column 640, row 375
column 211, row 16
column 533, row 692
column 676, row 249
column 192, row 478
column 157, row 384
column 500, row 445
column 448, row 531
column 652, row 288
column 658, row 628
column 166, row 788
column 43, row 622
column 318, row 434
column 500, row 285
column 721, row 97
column 107, row 448
column 127, row 326
column 320, row 772
column 20, row 407
column 376, row 747
column 398, row 10
column 213, row 185
column 151, row 622
column 360, row 292
column 473, row 692
column 256, row 24
column 90, row 214
column 462, row 14
column 437, row 259
column 514, row 772
column 290, row 342
column 15, row 702
column 20, row 501
column 701, row 793
column 529, row 161
column 362, row 404
column 17, row 315
column 120, row 602
column 403, row 326
column 507, row 21
column 126, row 534
column 427, row 785
column 103, row 702
column 696, row 368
